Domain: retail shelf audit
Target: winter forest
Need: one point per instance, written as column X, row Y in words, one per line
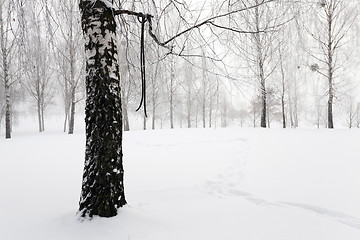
column 198, row 119
column 284, row 63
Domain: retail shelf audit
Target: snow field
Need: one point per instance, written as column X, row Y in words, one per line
column 251, row 184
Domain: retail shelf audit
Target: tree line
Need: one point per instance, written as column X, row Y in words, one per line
column 249, row 63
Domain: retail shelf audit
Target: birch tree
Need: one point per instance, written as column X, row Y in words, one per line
column 258, row 45
column 103, row 187
column 334, row 20
column 39, row 83
column 7, row 47
column 103, row 180
column 70, row 59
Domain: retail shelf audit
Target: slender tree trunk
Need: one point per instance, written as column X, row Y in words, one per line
column 5, row 70
column 171, row 112
column 203, row 114
column 66, row 119
column 188, row 117
column 181, row 118
column 126, row 118
column 330, row 75
column 197, row 116
column 283, row 90
column 210, row 112
column 39, row 113
column 125, row 114
column 172, row 91
column 330, row 110
column 42, row 115
column 144, row 122
column 204, row 89
column 291, row 111
column 283, row 109
column 254, row 117
column 103, row 184
column 7, row 109
column 72, row 73
column 296, row 110
column 153, row 118
column 7, row 99
column 153, row 105
column 263, row 105
column 154, row 95
column 72, row 112
column 261, row 73
column 224, row 115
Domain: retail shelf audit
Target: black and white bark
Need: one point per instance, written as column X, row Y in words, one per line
column 6, row 45
column 103, row 179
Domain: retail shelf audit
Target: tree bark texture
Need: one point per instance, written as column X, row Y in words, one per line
column 330, row 54
column 102, row 187
column 72, row 75
column 72, row 112
column 5, row 75
column 7, row 110
column 261, row 73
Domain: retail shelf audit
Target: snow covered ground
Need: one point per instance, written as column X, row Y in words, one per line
column 190, row 184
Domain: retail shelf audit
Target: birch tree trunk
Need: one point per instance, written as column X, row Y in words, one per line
column 72, row 72
column 5, row 74
column 125, row 116
column 330, row 54
column 282, row 90
column 103, row 187
column 72, row 112
column 260, row 62
column 7, row 108
column 172, row 93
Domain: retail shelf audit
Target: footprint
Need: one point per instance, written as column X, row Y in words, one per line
column 330, row 214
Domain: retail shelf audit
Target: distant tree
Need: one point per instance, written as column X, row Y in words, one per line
column 243, row 116
column 188, row 86
column 282, row 51
column 255, row 108
column 350, row 107
column 69, row 57
column 172, row 88
column 259, row 45
column 39, row 83
column 127, row 85
column 273, row 105
column 224, row 111
column 358, row 115
column 333, row 22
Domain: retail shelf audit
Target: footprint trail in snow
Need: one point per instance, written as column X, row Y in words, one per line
column 228, row 184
